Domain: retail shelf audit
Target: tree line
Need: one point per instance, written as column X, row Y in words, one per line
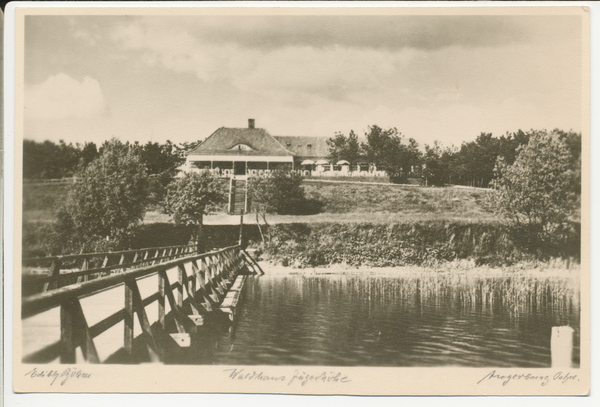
column 471, row 164
column 49, row 160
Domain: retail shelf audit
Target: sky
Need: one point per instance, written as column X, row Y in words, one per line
column 179, row 78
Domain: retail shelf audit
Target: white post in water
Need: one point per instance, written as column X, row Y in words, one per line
column 561, row 346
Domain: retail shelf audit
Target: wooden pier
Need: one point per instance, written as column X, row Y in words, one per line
column 171, row 300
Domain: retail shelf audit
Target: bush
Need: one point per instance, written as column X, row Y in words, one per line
column 108, row 199
column 536, row 192
column 281, row 193
column 421, row 244
column 189, row 198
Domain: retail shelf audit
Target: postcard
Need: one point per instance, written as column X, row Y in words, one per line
column 384, row 200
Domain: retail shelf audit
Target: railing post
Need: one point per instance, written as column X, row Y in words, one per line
column 85, row 266
column 172, row 302
column 67, row 345
column 75, row 332
column 138, row 307
column 207, row 267
column 128, row 320
column 190, row 287
column 180, row 274
column 205, row 270
column 192, row 282
column 54, row 275
column 161, row 300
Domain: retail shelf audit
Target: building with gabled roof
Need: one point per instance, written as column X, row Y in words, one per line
column 305, row 147
column 253, row 151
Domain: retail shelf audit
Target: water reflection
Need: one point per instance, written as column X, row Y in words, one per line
column 433, row 320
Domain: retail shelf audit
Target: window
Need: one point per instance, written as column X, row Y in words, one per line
column 242, row 147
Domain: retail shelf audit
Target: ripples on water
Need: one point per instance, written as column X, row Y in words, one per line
column 434, row 320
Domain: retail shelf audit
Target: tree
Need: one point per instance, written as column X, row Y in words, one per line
column 344, row 148
column 89, row 152
column 49, row 160
column 161, row 161
column 411, row 157
column 161, row 158
column 384, row 148
column 573, row 143
column 108, row 198
column 536, row 191
column 263, row 195
column 436, row 164
column 182, row 148
column 190, row 197
column 280, row 192
column 474, row 163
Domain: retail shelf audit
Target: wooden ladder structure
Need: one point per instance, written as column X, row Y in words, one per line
column 238, row 196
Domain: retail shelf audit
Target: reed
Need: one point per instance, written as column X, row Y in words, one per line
column 508, row 292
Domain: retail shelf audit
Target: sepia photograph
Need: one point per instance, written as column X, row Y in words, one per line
column 300, row 200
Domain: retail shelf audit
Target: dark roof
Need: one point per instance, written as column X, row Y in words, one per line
column 224, row 139
column 299, row 145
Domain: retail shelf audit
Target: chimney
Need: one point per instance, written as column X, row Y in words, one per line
column 250, row 123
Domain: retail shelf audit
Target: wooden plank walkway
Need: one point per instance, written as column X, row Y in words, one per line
column 232, row 298
column 112, row 317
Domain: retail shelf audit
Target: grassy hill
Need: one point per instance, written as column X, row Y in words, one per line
column 361, row 223
column 41, row 201
column 408, row 202
column 343, row 202
column 346, row 203
column 350, row 202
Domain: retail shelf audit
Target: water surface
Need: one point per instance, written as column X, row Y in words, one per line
column 433, row 320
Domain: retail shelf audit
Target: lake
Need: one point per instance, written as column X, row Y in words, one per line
column 428, row 319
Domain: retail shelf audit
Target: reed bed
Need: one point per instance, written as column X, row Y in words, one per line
column 512, row 293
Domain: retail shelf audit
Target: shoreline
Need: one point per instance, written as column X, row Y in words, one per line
column 464, row 267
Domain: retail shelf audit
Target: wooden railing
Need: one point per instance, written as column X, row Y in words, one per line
column 59, row 271
column 202, row 283
column 51, row 181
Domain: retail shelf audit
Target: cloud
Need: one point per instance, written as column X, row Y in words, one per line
column 330, row 57
column 334, row 73
column 379, row 32
column 61, row 96
column 359, row 31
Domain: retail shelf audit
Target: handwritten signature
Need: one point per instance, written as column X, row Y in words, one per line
column 562, row 377
column 301, row 378
column 61, row 375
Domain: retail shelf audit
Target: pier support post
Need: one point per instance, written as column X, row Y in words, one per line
column 74, row 332
column 561, row 346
